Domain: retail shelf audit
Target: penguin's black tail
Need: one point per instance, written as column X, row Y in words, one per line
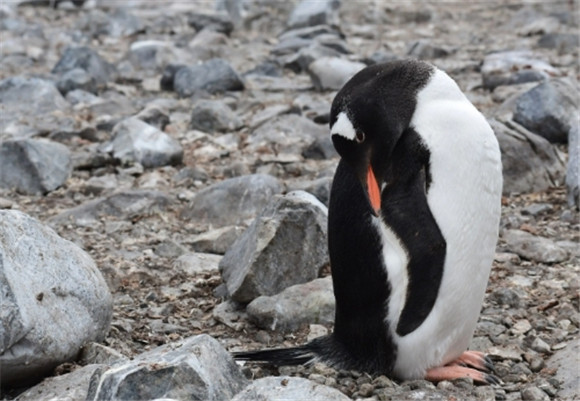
column 301, row 355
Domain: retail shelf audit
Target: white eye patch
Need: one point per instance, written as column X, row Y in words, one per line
column 343, row 127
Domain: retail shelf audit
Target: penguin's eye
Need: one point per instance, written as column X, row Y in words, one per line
column 360, row 136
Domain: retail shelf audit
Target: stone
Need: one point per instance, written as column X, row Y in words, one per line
column 168, row 76
column 535, row 248
column 122, row 204
column 72, row 386
column 54, row 299
column 213, row 76
column 213, row 116
column 562, row 42
column 154, row 55
column 423, row 49
column 76, row 79
column 286, row 134
column 536, row 209
column 285, row 245
column 99, row 354
column 533, row 393
column 116, row 23
column 319, row 188
column 215, row 22
column 281, row 388
column 573, row 170
column 311, row 13
column 218, row 240
column 565, row 362
column 514, row 67
column 508, row 352
column 540, row 346
column 192, row 264
column 88, row 60
column 134, row 140
column 196, row 368
column 530, row 163
column 232, row 201
column 331, row 73
column 308, row 303
column 154, row 116
column 34, row 166
column 19, row 95
column 548, row 109
column 300, row 60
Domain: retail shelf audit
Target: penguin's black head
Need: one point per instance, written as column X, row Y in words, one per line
column 370, row 114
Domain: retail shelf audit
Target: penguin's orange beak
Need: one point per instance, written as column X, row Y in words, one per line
column 373, row 190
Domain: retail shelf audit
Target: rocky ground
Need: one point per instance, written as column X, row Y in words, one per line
column 143, row 243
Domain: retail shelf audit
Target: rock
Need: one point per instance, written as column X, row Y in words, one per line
column 533, row 393
column 136, row 141
column 311, row 13
column 540, row 346
column 531, row 247
column 34, row 166
column 509, row 353
column 548, row 109
column 233, row 200
column 514, row 67
column 286, row 134
column 281, row 388
column 99, row 354
column 423, row 49
column 563, row 42
column 319, row 188
column 536, row 209
column 566, row 362
column 506, row 296
column 74, row 79
column 213, row 116
column 154, row 55
column 285, row 245
column 87, row 60
column 213, row 76
column 573, row 171
column 321, row 149
column 19, row 95
column 192, row 264
column 331, row 73
column 54, row 299
column 308, row 303
column 218, row 240
column 117, row 23
column 197, row 368
column 214, row 22
column 72, row 386
column 154, row 116
column 123, row 205
column 300, row 60
column 530, row 163
column 231, row 314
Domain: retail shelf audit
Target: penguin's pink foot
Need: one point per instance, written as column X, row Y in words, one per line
column 474, row 359
column 471, row 364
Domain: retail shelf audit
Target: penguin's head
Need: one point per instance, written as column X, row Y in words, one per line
column 370, row 114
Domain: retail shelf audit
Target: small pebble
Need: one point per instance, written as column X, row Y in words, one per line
column 532, row 393
column 366, row 390
column 540, row 345
column 485, row 393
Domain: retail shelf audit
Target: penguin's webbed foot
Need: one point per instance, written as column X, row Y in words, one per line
column 471, row 364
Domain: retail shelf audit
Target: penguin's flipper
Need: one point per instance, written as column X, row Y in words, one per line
column 476, row 360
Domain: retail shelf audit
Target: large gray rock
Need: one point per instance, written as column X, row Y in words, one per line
column 72, row 386
column 532, row 247
column 283, row 388
column 514, row 67
column 311, row 13
column 88, row 60
column 54, row 299
column 530, row 162
column 197, row 368
column 20, row 95
column 573, row 171
column 233, row 200
column 123, row 205
column 213, row 116
column 285, row 245
column 549, row 109
column 136, row 141
column 566, row 362
column 287, row 133
column 307, row 303
column 331, row 73
column 213, row 76
column 34, row 166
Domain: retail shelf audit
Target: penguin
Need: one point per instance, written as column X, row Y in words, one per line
column 413, row 222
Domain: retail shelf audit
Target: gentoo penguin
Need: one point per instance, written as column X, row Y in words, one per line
column 412, row 227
